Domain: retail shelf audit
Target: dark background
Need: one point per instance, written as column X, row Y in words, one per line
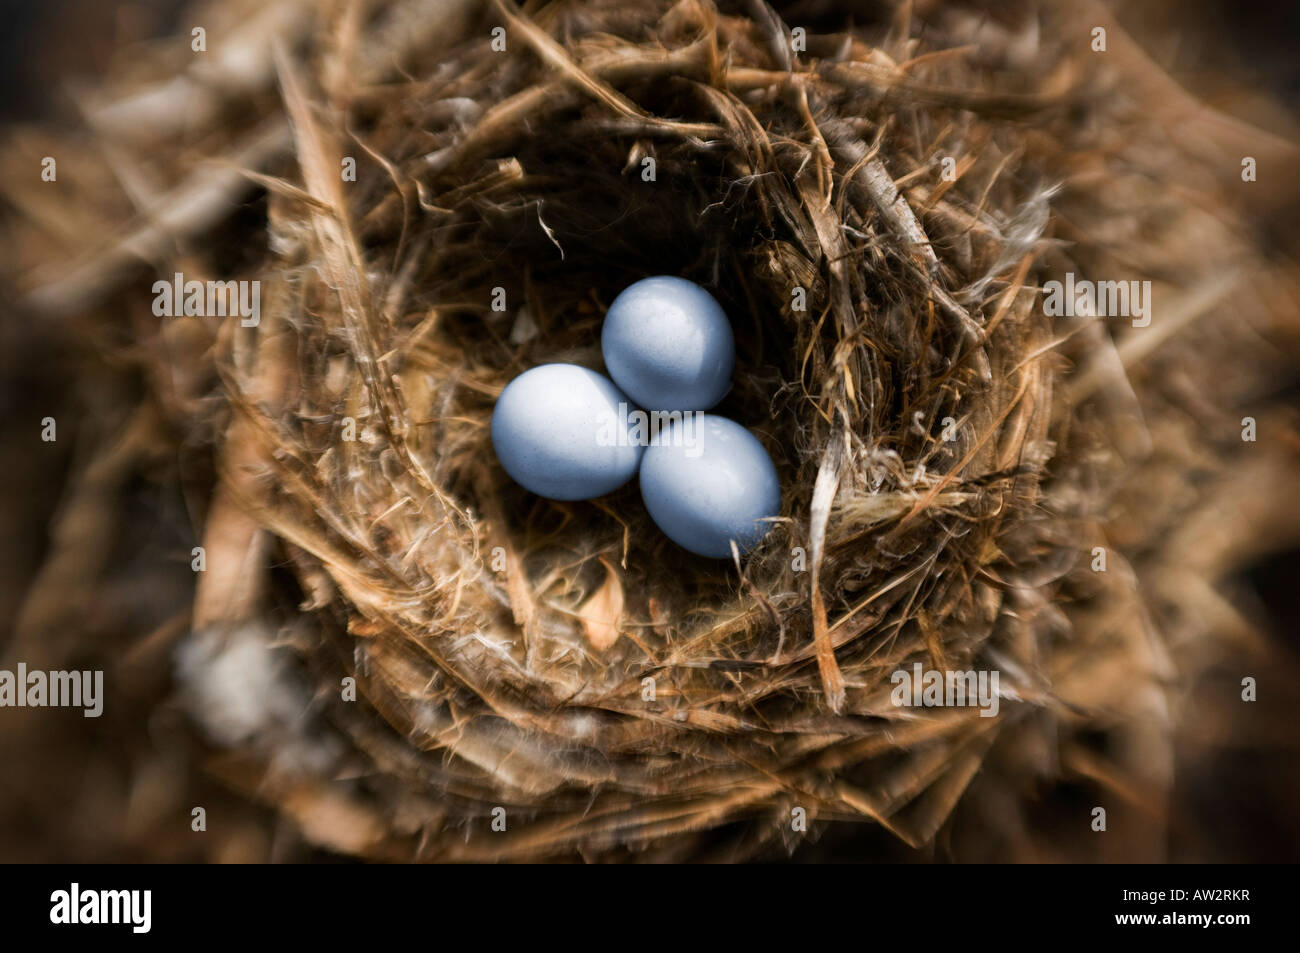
column 1223, row 51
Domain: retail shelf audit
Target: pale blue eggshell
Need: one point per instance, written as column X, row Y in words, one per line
column 668, row 344
column 706, row 480
column 559, row 431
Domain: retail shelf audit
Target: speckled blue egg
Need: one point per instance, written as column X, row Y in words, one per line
column 559, row 431
column 706, row 480
column 668, row 344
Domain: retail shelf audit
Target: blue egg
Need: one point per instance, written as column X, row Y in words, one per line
column 706, row 480
column 668, row 344
column 562, row 431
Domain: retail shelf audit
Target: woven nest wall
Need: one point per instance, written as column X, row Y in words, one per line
column 878, row 208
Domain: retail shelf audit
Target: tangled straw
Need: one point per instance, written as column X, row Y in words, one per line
column 877, row 210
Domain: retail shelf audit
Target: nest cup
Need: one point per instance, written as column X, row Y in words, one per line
column 567, row 661
column 876, row 213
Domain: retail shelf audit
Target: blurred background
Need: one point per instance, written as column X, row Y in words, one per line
column 119, row 787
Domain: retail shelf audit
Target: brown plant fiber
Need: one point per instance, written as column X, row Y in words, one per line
column 952, row 458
